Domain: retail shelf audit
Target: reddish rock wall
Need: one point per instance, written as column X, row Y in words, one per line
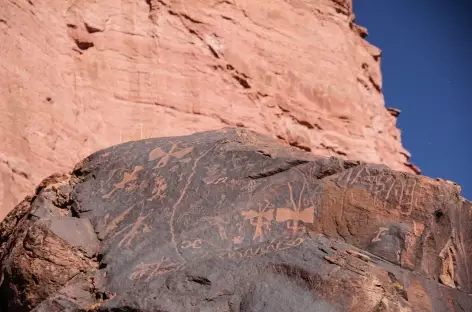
column 77, row 76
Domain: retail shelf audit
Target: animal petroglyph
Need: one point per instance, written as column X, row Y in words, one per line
column 164, row 157
column 150, row 270
column 127, row 177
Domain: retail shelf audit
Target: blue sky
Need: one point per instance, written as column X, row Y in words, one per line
column 427, row 69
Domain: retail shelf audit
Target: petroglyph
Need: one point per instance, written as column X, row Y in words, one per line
column 296, row 215
column 350, row 176
column 196, row 244
column 237, row 240
column 127, row 177
column 250, row 186
column 135, row 230
column 179, row 200
column 380, row 232
column 254, row 251
column 215, row 175
column 303, row 210
column 160, row 188
column 115, row 222
column 164, row 157
column 407, row 199
column 384, row 185
column 150, row 270
column 260, row 219
column 218, row 180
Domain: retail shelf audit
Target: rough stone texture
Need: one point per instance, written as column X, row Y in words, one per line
column 232, row 221
column 77, row 76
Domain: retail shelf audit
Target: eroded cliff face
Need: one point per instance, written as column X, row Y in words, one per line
column 82, row 75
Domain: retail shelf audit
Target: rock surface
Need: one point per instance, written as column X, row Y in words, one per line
column 77, row 76
column 232, row 221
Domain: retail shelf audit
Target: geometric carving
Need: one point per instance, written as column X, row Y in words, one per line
column 165, row 156
column 127, row 177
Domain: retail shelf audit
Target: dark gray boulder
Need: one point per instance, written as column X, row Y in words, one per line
column 232, row 221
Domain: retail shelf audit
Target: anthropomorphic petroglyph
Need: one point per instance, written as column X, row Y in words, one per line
column 302, row 210
column 260, row 219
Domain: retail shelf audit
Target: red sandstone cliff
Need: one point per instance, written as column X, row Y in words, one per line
column 77, row 76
